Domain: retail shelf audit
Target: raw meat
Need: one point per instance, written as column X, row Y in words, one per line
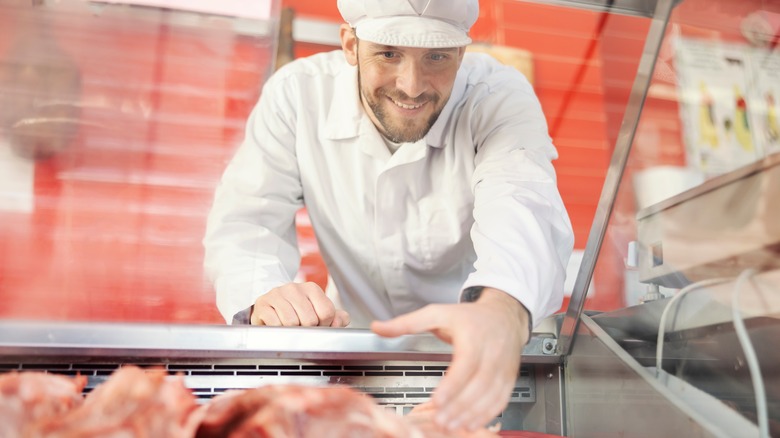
column 283, row 411
column 28, row 398
column 131, row 403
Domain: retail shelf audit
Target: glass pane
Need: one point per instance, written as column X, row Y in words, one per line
column 116, row 122
column 692, row 243
column 709, row 112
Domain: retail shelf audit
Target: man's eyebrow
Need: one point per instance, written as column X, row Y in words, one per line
column 445, row 49
column 385, row 48
column 382, row 47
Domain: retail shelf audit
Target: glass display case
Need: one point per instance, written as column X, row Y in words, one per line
column 688, row 219
column 117, row 118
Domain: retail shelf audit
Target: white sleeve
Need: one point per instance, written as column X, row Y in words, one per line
column 522, row 233
column 250, row 241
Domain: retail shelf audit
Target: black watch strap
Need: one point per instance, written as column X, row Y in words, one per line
column 472, row 294
column 243, row 317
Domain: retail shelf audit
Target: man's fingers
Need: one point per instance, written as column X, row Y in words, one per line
column 340, row 319
column 322, row 306
column 265, row 315
column 480, row 400
column 423, row 320
column 285, row 311
column 487, row 408
column 465, row 364
column 304, row 309
column 295, row 304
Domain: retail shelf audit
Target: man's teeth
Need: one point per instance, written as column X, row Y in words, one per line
column 405, row 106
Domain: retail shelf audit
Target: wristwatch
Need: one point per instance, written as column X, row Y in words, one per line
column 472, row 294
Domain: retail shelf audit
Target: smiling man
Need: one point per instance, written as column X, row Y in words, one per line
column 427, row 176
column 403, row 88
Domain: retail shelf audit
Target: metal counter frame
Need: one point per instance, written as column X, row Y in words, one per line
column 44, row 338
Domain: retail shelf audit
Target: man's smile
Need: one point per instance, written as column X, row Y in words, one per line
column 405, row 105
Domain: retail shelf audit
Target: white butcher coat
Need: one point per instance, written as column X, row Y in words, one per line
column 473, row 203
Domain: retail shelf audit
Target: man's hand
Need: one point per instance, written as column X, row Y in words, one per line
column 297, row 304
column 487, row 337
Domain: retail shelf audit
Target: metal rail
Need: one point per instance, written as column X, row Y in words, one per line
column 23, row 339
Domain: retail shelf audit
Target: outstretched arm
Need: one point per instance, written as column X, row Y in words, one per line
column 487, row 337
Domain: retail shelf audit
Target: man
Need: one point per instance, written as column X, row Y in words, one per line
column 427, row 176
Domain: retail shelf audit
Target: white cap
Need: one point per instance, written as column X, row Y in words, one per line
column 412, row 23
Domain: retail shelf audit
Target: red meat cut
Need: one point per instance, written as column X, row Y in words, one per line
column 131, row 403
column 28, row 398
column 282, row 411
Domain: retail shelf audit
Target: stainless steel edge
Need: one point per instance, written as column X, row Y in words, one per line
column 210, row 341
column 172, row 341
column 625, row 139
column 555, row 402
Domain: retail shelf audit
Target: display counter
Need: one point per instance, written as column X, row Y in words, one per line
column 684, row 239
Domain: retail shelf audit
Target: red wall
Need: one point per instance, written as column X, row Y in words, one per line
column 119, row 215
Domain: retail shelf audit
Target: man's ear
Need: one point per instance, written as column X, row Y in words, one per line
column 349, row 43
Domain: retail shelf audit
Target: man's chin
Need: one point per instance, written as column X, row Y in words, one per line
column 408, row 132
column 405, row 136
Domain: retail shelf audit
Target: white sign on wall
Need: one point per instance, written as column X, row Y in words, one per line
column 765, row 65
column 729, row 103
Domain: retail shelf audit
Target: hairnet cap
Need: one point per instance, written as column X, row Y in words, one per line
column 411, row 23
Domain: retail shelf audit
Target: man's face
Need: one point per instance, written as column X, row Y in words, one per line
column 404, row 89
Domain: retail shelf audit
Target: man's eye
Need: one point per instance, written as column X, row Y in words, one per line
column 438, row 57
column 388, row 55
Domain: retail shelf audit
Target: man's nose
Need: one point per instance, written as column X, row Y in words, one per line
column 411, row 78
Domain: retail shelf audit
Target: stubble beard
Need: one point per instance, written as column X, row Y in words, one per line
column 406, row 130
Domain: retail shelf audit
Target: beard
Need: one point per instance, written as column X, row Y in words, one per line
column 394, row 127
column 400, row 129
